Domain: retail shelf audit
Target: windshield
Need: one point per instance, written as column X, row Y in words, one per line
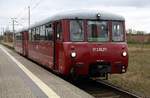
column 117, row 31
column 76, row 30
column 98, row 31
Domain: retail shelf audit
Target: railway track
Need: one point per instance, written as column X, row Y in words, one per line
column 122, row 92
column 102, row 89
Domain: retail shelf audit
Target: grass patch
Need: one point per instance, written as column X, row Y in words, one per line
column 137, row 77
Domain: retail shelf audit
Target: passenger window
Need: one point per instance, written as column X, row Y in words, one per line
column 30, row 35
column 42, row 32
column 18, row 37
column 33, row 34
column 49, row 31
column 37, row 33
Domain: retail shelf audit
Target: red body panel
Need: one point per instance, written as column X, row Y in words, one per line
column 90, row 53
column 41, row 52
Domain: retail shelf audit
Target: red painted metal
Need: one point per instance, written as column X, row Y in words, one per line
column 86, row 55
column 25, row 43
column 41, row 52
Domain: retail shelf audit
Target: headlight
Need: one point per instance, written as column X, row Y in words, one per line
column 124, row 53
column 73, row 54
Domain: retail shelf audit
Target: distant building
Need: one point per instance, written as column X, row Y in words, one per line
column 138, row 38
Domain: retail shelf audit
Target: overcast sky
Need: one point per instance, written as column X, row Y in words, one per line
column 136, row 12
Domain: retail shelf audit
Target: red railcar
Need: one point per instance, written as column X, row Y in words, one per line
column 82, row 43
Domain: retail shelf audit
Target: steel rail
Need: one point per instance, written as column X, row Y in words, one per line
column 121, row 90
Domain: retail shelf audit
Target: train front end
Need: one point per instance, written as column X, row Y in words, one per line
column 98, row 60
column 96, row 47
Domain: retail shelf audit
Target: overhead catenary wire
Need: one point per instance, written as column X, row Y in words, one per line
column 31, row 6
column 36, row 5
column 21, row 12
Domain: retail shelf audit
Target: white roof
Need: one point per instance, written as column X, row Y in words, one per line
column 86, row 14
column 81, row 14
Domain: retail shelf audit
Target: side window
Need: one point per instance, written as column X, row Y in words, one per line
column 30, row 35
column 20, row 36
column 33, row 34
column 58, row 30
column 49, row 31
column 37, row 33
column 42, row 32
column 17, row 36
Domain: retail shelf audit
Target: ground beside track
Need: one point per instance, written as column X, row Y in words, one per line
column 137, row 77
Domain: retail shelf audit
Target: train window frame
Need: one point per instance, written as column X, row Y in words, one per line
column 58, row 30
column 123, row 33
column 33, row 32
column 18, row 37
column 37, row 34
column 30, row 35
column 107, row 39
column 42, row 32
column 82, row 30
column 48, row 31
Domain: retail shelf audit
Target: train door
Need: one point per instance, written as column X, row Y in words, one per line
column 57, row 43
column 25, row 43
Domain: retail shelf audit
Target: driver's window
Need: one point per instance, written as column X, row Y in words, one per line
column 76, row 30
